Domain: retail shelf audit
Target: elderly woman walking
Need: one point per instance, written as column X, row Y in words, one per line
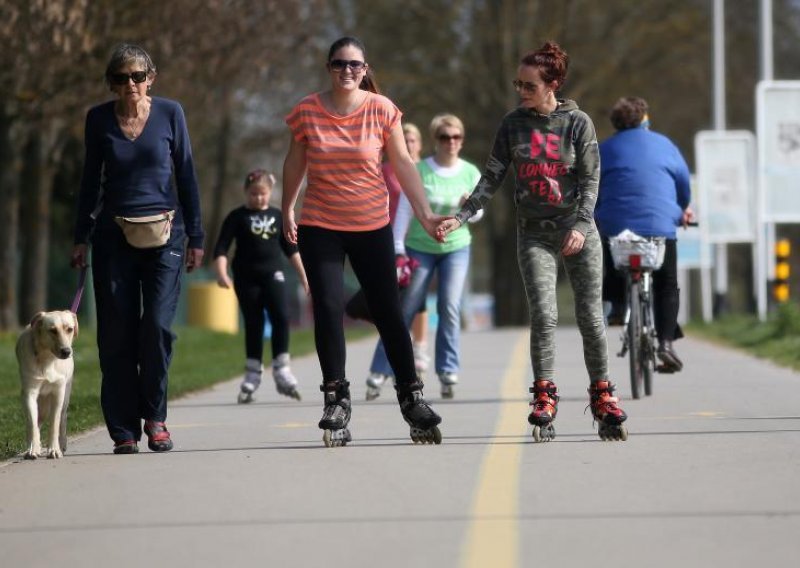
column 143, row 232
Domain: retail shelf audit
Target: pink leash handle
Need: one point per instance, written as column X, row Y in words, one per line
column 76, row 301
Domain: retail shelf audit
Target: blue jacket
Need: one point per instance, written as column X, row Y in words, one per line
column 644, row 184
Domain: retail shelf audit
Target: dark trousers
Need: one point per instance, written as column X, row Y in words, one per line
column 371, row 254
column 666, row 295
column 257, row 292
column 136, row 292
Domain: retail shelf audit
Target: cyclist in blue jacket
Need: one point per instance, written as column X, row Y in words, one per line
column 644, row 187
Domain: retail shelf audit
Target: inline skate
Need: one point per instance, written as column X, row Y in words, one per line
column 421, row 359
column 252, row 380
column 285, row 381
column 336, row 413
column 419, row 415
column 374, row 383
column 544, row 408
column 606, row 411
column 447, row 381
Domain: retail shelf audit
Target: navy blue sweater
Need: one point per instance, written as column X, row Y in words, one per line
column 644, row 184
column 133, row 177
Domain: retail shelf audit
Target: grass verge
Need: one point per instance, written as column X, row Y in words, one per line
column 201, row 359
column 777, row 339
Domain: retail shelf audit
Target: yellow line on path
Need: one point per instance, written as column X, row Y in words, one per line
column 493, row 535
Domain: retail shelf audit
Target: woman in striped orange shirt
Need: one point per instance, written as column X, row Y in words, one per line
column 338, row 139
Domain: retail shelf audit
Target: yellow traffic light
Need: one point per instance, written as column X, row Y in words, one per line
column 782, row 271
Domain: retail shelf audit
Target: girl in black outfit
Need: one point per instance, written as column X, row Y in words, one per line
column 259, row 281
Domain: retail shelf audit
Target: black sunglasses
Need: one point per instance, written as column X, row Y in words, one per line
column 339, row 64
column 123, row 78
column 448, row 137
column 523, row 86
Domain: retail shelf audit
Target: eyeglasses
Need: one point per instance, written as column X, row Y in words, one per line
column 449, row 137
column 524, row 86
column 340, row 64
column 123, row 78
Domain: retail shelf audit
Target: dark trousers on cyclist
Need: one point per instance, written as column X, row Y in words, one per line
column 666, row 295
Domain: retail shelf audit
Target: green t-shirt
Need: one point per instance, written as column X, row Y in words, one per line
column 445, row 188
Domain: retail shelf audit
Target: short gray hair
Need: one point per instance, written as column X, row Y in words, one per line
column 126, row 53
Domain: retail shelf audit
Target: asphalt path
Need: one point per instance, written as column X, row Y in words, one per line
column 708, row 476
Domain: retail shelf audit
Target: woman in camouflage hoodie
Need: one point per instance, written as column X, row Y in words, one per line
column 552, row 147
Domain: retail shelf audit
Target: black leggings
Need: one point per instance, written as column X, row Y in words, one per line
column 371, row 254
column 257, row 292
column 666, row 295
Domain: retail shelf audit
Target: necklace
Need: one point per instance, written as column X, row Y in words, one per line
column 132, row 126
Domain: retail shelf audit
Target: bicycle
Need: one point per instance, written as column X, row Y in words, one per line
column 637, row 257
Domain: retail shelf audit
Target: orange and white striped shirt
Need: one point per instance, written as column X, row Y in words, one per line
column 346, row 190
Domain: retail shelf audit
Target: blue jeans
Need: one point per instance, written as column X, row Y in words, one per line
column 452, row 274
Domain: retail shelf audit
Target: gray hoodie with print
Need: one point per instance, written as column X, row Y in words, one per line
column 556, row 164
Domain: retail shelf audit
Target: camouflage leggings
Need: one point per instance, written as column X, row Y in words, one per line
column 538, row 252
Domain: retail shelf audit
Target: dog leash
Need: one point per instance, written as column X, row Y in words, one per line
column 76, row 301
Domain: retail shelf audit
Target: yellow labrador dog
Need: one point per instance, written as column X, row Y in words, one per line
column 44, row 354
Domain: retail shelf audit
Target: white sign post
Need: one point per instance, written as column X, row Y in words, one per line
column 778, row 128
column 726, row 189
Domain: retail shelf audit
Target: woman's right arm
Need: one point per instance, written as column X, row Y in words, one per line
column 294, row 170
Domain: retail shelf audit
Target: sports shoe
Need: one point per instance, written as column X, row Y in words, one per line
column 158, row 438
column 668, row 357
column 126, row 447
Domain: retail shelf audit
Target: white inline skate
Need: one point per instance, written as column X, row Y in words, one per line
column 375, row 382
column 421, row 359
column 448, row 381
column 285, row 381
column 252, row 380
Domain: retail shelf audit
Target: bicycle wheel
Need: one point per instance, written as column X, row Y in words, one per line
column 648, row 351
column 635, row 341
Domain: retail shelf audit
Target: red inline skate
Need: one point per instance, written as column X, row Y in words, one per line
column 544, row 408
column 606, row 411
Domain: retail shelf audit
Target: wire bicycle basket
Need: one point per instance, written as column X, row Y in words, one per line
column 629, row 249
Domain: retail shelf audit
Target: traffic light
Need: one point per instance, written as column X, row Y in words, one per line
column 781, row 288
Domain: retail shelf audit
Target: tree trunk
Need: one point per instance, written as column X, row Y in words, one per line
column 35, row 226
column 220, row 179
column 511, row 306
column 9, row 223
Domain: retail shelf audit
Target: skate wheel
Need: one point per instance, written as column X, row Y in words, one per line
column 426, row 436
column 245, row 397
column 372, row 393
column 447, row 391
column 296, row 395
column 613, row 433
column 335, row 438
column 544, row 433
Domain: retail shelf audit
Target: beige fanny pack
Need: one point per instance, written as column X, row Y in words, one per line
column 147, row 232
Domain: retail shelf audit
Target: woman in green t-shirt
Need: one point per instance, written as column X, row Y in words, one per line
column 448, row 180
